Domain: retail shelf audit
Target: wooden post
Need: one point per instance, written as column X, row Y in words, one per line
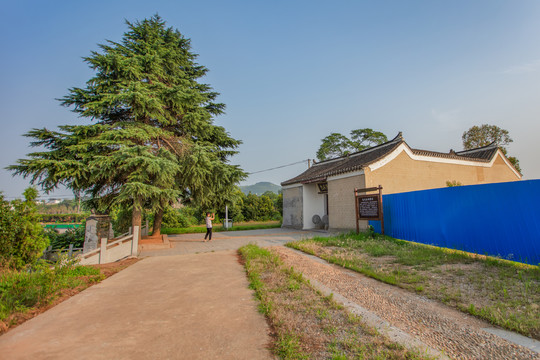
column 70, row 251
column 103, row 251
column 381, row 212
column 135, row 242
column 356, row 207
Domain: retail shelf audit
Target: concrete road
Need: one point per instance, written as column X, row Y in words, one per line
column 173, row 304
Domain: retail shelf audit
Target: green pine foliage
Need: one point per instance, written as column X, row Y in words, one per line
column 153, row 139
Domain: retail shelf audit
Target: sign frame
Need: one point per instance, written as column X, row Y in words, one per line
column 373, row 197
column 323, row 187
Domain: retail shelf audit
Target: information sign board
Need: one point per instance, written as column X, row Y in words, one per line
column 368, row 207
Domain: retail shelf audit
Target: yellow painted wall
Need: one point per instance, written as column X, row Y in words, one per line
column 405, row 174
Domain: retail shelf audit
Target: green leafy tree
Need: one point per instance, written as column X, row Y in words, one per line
column 362, row 139
column 267, row 209
column 251, row 207
column 279, row 204
column 22, row 238
column 277, row 200
column 483, row 135
column 336, row 144
column 153, row 140
column 237, row 206
column 259, row 208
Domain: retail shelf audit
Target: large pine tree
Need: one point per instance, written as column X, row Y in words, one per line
column 153, row 139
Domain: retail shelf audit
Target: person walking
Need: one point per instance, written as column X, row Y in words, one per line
column 208, row 219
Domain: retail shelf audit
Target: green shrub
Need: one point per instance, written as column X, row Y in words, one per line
column 22, row 238
column 63, row 218
column 174, row 218
column 62, row 241
column 22, row 290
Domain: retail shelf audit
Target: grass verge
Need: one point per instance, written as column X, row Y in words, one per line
column 307, row 324
column 25, row 294
column 217, row 228
column 504, row 293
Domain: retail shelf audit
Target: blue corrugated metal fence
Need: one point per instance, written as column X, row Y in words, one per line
column 495, row 219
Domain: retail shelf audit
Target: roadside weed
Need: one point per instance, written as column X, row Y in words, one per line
column 307, row 324
column 21, row 291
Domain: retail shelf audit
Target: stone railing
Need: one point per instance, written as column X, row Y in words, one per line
column 108, row 252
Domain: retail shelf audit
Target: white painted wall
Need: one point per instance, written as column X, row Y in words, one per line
column 313, row 204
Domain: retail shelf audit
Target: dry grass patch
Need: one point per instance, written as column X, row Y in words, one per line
column 307, row 324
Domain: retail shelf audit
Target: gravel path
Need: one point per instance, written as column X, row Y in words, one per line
column 457, row 335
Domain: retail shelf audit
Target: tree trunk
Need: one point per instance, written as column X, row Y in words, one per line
column 158, row 218
column 136, row 219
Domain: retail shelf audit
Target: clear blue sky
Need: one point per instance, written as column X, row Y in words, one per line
column 292, row 72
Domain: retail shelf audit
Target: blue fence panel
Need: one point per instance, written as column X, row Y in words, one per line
column 500, row 219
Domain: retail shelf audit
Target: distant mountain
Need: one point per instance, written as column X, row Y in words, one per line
column 260, row 188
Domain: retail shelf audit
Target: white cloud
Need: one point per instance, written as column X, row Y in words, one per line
column 523, row 68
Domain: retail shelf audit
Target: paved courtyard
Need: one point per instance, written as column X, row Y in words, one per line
column 231, row 240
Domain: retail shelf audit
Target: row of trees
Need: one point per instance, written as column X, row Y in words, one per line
column 268, row 206
column 336, row 144
column 68, row 206
column 250, row 207
column 152, row 140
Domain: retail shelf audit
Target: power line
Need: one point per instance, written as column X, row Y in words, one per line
column 50, row 197
column 278, row 167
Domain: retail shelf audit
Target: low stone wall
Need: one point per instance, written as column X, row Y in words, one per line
column 112, row 251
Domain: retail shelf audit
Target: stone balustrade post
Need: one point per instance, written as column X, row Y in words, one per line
column 103, row 251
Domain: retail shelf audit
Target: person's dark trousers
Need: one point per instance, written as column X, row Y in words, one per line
column 208, row 234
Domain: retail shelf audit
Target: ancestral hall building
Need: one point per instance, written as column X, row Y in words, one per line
column 327, row 187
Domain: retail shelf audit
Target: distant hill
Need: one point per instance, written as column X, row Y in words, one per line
column 260, row 188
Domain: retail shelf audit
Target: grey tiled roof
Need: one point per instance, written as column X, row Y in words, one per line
column 482, row 153
column 357, row 161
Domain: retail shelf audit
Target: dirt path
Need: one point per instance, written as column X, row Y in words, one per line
column 455, row 334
